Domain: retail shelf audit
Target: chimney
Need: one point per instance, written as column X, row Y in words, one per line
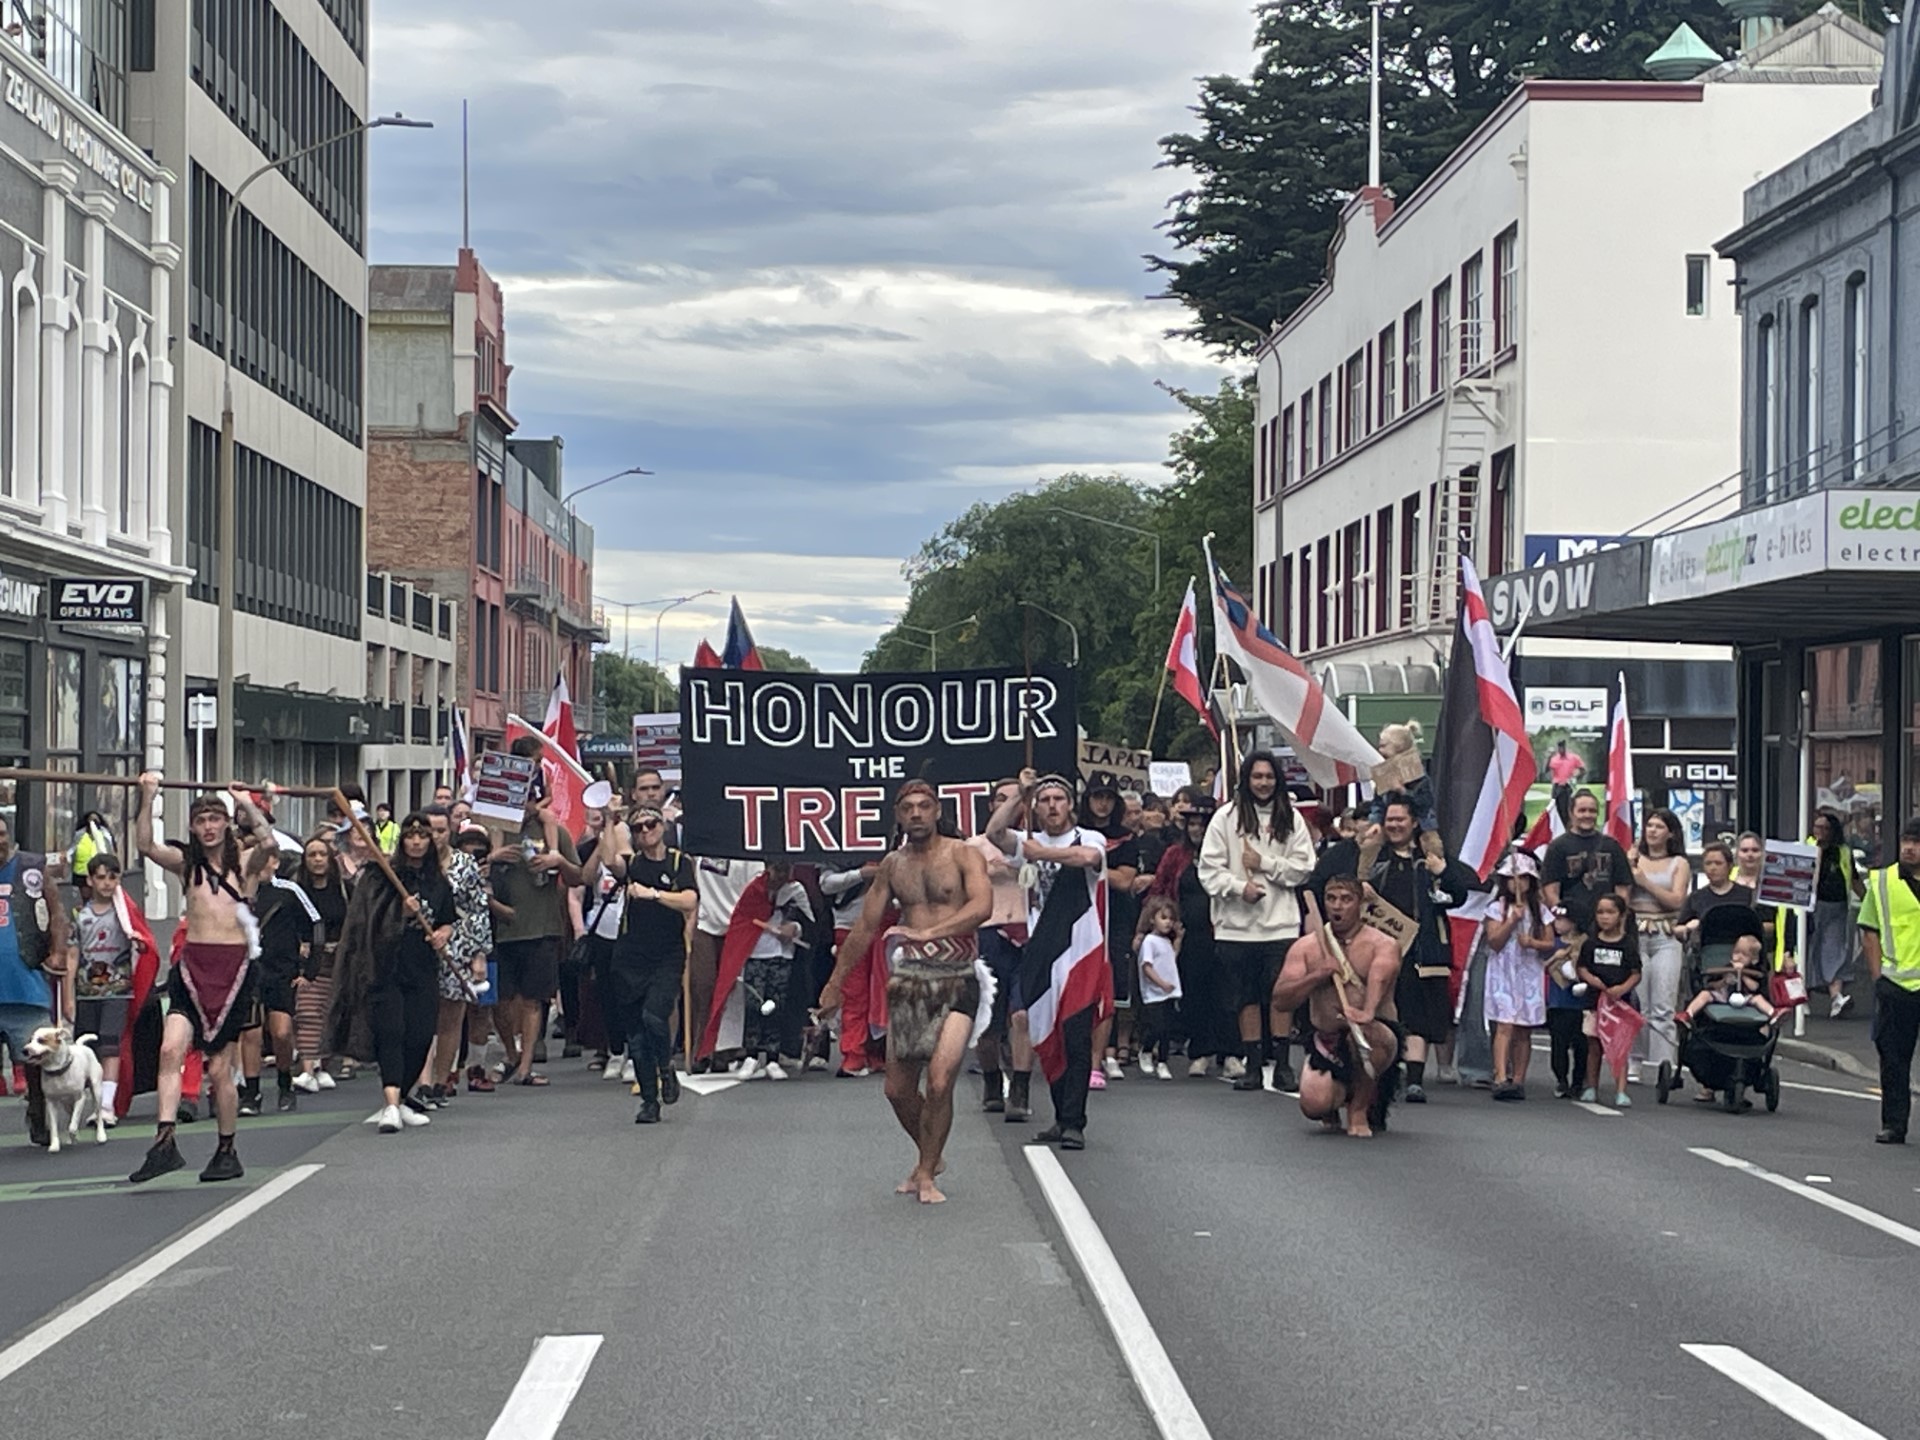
column 1759, row 20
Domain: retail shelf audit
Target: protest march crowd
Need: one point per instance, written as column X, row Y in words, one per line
column 1228, row 930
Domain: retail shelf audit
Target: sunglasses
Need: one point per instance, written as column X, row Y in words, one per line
column 648, row 825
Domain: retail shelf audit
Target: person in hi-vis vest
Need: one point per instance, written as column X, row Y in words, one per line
column 1890, row 937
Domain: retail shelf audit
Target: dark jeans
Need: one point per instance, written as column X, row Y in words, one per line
column 402, row 1014
column 1070, row 1090
column 1156, row 1029
column 1896, row 1028
column 648, row 992
column 1569, row 1047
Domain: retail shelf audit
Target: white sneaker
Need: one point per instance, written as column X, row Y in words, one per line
column 410, row 1117
column 1839, row 1006
column 1112, row 1068
column 1161, row 1072
column 736, row 1066
column 323, row 1079
column 1146, row 1065
column 388, row 1119
column 306, row 1084
column 1197, row 1069
column 626, row 1072
column 1633, row 1074
column 775, row 1070
column 1235, row 1067
column 749, row 1069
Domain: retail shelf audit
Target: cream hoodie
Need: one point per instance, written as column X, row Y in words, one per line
column 1284, row 864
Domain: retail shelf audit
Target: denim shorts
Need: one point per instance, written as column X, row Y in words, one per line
column 17, row 1024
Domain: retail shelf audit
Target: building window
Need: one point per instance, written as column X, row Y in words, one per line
column 1383, row 570
column 1389, row 376
column 1409, row 558
column 1306, row 434
column 1353, row 597
column 1854, row 414
column 1698, row 268
column 1326, row 419
column 1410, row 357
column 1846, row 739
column 300, row 548
column 1506, row 290
column 1286, row 447
column 1442, row 336
column 293, row 333
column 1810, row 390
column 1766, row 384
column 1472, row 282
column 83, row 44
column 1356, row 428
column 1322, row 621
column 1262, row 471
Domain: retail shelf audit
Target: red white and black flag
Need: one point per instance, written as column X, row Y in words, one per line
column 1483, row 760
column 1183, row 663
column 1064, row 967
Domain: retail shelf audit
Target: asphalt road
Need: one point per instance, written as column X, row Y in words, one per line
column 1481, row 1271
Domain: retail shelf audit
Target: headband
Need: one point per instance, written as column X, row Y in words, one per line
column 915, row 787
column 205, row 802
column 1052, row 782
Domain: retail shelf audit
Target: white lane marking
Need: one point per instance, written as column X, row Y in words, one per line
column 1827, row 1090
column 1167, row 1399
column 1593, row 1108
column 91, row 1307
column 707, row 1084
column 1903, row 1233
column 546, row 1387
column 1802, row 1406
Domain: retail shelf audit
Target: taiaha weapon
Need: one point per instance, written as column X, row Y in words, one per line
column 1343, row 975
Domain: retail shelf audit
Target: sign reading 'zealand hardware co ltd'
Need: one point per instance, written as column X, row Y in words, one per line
column 87, row 145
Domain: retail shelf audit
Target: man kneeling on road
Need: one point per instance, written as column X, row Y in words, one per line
column 1345, row 970
column 933, row 992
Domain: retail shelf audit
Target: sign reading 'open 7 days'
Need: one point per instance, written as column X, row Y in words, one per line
column 778, row 763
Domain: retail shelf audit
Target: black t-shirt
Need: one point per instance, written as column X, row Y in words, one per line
column 1832, row 884
column 1613, row 961
column 1723, row 918
column 649, row 930
column 415, row 956
column 1585, row 867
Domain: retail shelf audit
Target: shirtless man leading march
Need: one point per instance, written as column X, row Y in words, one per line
column 944, row 896
column 210, row 993
column 1346, row 1004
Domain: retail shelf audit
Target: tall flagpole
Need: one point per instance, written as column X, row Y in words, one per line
column 1373, row 104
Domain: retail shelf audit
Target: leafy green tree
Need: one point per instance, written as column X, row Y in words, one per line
column 623, row 688
column 772, row 657
column 1275, row 155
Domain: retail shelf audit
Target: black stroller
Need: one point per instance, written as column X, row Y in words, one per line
column 1728, row 1049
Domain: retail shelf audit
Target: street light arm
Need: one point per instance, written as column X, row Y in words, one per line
column 1072, row 629
column 1119, row 525
column 573, row 495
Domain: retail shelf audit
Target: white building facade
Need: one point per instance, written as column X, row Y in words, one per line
column 413, row 642
column 87, row 539
column 1532, row 355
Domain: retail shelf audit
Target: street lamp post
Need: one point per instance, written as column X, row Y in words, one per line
column 567, row 500
column 626, row 608
column 1072, row 629
column 573, row 554
column 1118, row 525
column 229, row 507
column 670, row 605
column 933, row 637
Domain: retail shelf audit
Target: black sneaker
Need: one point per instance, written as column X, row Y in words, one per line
column 1416, row 1095
column 571, row 1051
column 1254, row 1079
column 1072, row 1140
column 1891, row 1137
column 288, row 1101
column 225, row 1165
column 163, row 1158
column 423, row 1099
column 1285, row 1079
column 249, row 1103
column 669, row 1086
column 420, row 1107
column 649, row 1113
column 186, row 1114
column 1046, row 1136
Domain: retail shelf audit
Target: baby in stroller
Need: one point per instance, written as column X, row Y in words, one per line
column 1728, row 1034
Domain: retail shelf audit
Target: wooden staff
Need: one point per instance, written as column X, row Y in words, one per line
column 1343, row 975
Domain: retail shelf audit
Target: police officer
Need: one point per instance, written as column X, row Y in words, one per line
column 1890, row 936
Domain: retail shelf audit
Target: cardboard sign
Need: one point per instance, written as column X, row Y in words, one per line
column 1400, row 772
column 1391, row 922
column 1166, row 776
column 656, row 744
column 1121, row 768
column 502, row 783
column 1788, row 875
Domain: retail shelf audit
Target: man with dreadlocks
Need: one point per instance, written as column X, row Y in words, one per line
column 210, row 993
column 934, row 1000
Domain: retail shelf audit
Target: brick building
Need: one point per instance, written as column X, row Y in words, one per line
column 460, row 506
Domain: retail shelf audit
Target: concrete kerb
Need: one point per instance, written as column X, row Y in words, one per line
column 1829, row 1058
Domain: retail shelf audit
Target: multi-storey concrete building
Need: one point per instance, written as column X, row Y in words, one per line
column 462, row 506
column 1533, row 355
column 413, row 640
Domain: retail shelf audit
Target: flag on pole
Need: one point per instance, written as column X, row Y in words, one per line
column 706, row 659
column 1323, row 739
column 1482, row 754
column 461, row 754
column 1183, row 662
column 559, row 726
column 566, row 782
column 1064, row 962
column 1620, row 773
column 741, row 653
column 1548, row 828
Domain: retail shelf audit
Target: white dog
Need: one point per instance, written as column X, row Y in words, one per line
column 69, row 1074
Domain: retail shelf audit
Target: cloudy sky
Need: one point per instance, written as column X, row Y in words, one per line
column 835, row 269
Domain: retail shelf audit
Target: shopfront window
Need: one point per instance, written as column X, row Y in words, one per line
column 13, row 724
column 63, row 745
column 1910, row 726
column 119, row 715
column 1846, row 738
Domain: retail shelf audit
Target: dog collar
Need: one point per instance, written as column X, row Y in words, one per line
column 71, row 1057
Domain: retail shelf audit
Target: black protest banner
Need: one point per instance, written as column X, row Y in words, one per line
column 807, row 765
